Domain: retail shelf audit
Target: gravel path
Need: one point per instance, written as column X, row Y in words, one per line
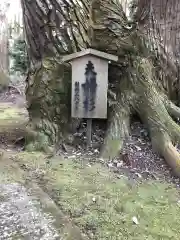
column 21, row 216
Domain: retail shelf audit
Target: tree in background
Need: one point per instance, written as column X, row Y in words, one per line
column 143, row 82
column 4, row 61
column 19, row 57
column 17, row 47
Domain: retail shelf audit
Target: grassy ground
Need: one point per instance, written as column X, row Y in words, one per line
column 12, row 121
column 102, row 205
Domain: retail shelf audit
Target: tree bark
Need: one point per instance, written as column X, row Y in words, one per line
column 135, row 80
column 4, row 63
column 48, row 97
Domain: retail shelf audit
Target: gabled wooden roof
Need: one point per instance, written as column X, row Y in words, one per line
column 90, row 51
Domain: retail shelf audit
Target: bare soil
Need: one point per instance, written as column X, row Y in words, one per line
column 138, row 161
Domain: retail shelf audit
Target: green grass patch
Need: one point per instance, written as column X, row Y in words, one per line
column 9, row 171
column 104, row 206
column 13, row 121
column 11, row 117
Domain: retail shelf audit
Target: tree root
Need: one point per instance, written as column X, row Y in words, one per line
column 154, row 110
column 163, row 144
column 172, row 157
column 119, row 124
column 172, row 109
column 36, row 140
column 118, row 130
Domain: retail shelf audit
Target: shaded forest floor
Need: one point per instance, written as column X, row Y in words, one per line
column 78, row 195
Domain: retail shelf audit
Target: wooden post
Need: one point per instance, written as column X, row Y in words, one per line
column 89, row 131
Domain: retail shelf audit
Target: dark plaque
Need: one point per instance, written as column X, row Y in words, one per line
column 89, row 88
column 76, row 95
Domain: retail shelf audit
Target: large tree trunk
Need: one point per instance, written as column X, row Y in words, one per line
column 55, row 30
column 48, row 98
column 48, row 81
column 160, row 21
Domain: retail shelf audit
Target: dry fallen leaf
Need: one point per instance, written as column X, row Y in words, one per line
column 138, row 148
column 110, row 165
column 78, row 154
column 101, row 160
column 138, row 175
column 119, row 164
column 135, row 220
column 94, row 199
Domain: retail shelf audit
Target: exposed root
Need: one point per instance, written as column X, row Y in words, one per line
column 154, row 110
column 36, row 140
column 163, row 130
column 164, row 146
column 172, row 109
column 172, row 157
column 17, row 90
column 118, row 130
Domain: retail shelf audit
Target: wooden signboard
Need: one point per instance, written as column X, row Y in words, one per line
column 89, row 83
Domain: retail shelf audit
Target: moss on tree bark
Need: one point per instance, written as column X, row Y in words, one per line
column 48, row 97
